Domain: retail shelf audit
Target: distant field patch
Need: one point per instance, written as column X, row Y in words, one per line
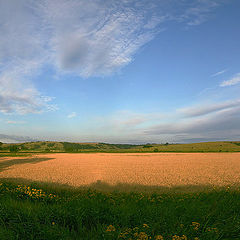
column 159, row 169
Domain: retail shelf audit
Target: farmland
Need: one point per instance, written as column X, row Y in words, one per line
column 151, row 169
column 138, row 196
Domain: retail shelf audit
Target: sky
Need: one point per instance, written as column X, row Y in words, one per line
column 126, row 71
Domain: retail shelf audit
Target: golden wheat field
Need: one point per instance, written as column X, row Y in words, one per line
column 157, row 169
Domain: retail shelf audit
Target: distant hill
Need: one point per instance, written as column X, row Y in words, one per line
column 48, row 146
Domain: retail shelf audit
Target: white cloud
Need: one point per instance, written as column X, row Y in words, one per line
column 221, row 124
column 18, row 94
column 22, row 54
column 72, row 115
column 127, row 121
column 196, row 12
column 205, row 121
column 87, row 38
column 15, row 122
column 209, row 108
column 233, row 81
column 218, row 73
column 98, row 38
column 15, row 139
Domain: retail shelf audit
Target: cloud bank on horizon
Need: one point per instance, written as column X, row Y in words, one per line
column 91, row 39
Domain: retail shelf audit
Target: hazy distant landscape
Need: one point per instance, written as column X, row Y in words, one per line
column 54, row 147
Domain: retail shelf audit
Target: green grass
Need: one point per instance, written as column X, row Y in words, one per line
column 8, row 163
column 9, row 154
column 61, row 212
column 54, row 147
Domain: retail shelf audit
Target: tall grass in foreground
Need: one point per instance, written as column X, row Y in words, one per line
column 45, row 212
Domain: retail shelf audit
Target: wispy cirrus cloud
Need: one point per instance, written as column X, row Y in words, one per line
column 219, row 73
column 18, row 94
column 233, row 81
column 126, row 120
column 201, row 110
column 215, row 121
column 222, row 123
column 15, row 122
column 98, row 38
column 72, row 115
column 84, row 38
column 204, row 121
column 193, row 13
column 22, row 54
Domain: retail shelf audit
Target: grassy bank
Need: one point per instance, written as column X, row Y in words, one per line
column 35, row 211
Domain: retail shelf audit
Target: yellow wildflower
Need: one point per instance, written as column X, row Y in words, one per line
column 128, row 230
column 111, row 228
column 209, row 229
column 141, row 236
column 195, row 225
column 159, row 237
column 176, row 237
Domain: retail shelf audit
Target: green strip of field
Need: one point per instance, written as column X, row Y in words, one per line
column 54, row 147
column 37, row 211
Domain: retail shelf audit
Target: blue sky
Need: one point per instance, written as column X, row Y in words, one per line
column 125, row 71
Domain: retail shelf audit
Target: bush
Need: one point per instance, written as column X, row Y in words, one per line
column 13, row 148
column 147, row 146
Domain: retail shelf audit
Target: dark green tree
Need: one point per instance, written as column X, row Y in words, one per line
column 13, row 148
